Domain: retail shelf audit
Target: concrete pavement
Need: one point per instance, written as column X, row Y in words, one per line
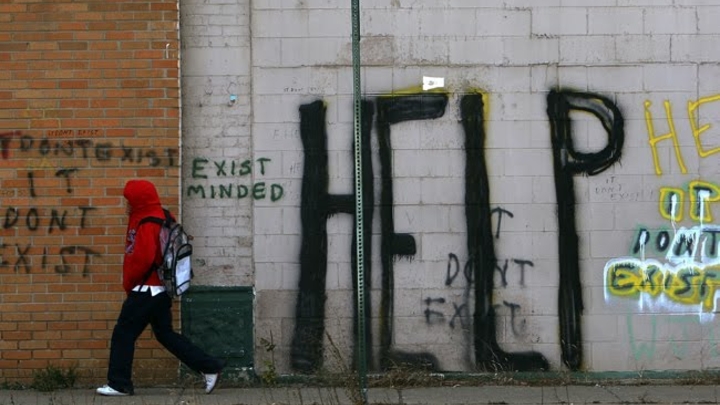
column 461, row 395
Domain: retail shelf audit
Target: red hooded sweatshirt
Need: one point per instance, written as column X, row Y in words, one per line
column 142, row 246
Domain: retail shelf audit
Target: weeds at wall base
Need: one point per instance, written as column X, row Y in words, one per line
column 53, row 378
column 409, row 378
column 49, row 379
column 269, row 375
column 400, row 377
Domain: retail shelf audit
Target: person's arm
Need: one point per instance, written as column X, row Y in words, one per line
column 144, row 254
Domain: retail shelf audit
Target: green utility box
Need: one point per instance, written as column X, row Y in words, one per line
column 220, row 321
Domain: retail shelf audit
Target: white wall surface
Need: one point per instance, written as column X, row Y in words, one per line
column 656, row 61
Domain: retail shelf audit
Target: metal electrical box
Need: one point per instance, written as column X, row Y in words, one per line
column 220, row 321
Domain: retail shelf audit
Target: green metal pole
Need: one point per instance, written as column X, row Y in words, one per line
column 359, row 220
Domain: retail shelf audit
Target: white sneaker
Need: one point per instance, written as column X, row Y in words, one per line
column 211, row 381
column 109, row 391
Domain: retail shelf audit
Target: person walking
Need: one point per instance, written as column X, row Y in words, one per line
column 146, row 301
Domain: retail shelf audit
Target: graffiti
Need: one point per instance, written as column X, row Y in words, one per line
column 688, row 278
column 42, row 186
column 258, row 191
column 691, row 255
column 460, row 311
column 514, row 309
column 687, row 284
column 224, row 169
column 453, row 269
column 68, row 257
column 33, row 218
column 317, row 205
column 615, row 191
column 394, row 110
column 698, row 131
column 433, row 316
column 518, row 263
column 482, row 264
column 567, row 163
column 500, row 213
column 84, row 148
column 61, row 173
column 684, row 246
column 644, row 238
column 488, row 353
column 676, row 333
column 5, row 139
column 203, row 168
column 672, row 135
column 701, row 194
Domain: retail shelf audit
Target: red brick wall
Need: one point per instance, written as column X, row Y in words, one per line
column 89, row 98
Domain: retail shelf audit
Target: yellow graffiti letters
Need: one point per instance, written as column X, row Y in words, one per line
column 687, row 284
column 672, row 135
column 697, row 131
column 701, row 193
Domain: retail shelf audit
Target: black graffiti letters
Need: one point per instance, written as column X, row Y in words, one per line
column 522, row 264
column 514, row 308
column 5, row 139
column 78, row 255
column 136, row 155
column 45, row 157
column 3, row 261
column 66, row 173
column 482, row 264
column 22, row 258
column 500, row 213
column 83, row 214
column 454, row 262
column 316, row 206
column 66, row 251
column 90, row 149
column 31, row 182
column 306, row 349
column 394, row 110
column 432, row 316
column 59, row 173
column 12, row 216
column 567, row 162
column 488, row 353
column 203, row 169
column 225, row 168
column 32, row 218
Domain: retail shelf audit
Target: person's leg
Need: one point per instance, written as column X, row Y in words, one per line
column 177, row 344
column 134, row 317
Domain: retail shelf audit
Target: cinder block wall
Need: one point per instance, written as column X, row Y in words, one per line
column 89, row 98
column 552, row 206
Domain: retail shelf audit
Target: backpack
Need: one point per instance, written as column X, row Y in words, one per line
column 176, row 269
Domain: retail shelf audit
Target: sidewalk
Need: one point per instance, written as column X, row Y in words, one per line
column 489, row 395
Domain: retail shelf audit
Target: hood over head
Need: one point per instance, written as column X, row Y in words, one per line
column 141, row 194
column 142, row 243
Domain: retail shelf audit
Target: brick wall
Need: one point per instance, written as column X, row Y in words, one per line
column 89, row 98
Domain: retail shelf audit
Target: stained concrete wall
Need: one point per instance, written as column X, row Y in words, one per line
column 550, row 207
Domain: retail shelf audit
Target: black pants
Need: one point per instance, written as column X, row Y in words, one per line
column 139, row 310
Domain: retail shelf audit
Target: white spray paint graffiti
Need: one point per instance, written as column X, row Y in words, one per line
column 689, row 279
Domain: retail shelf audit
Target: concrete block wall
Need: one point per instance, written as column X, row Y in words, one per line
column 217, row 146
column 590, row 196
